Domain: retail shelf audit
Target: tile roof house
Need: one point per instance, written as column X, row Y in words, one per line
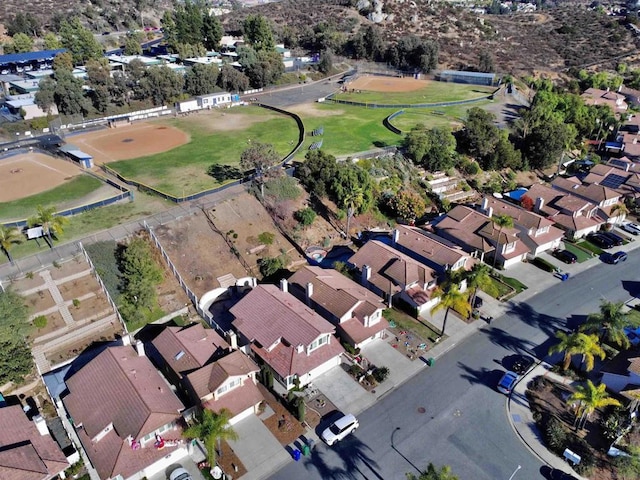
column 464, row 226
column 596, row 96
column 536, row 232
column 395, row 276
column 619, row 174
column 356, row 311
column 282, row 332
column 228, row 383
column 27, row 450
column 575, row 215
column 125, row 414
column 622, row 371
column 435, row 252
column 179, row 351
column 606, row 198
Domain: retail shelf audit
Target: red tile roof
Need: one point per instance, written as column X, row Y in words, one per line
column 268, row 315
column 524, row 218
column 197, row 344
column 209, row 378
column 464, row 224
column 24, row 453
column 357, row 332
column 237, row 400
column 121, row 388
column 429, row 246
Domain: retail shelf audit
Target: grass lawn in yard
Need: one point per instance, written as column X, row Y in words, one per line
column 578, row 252
column 183, row 170
column 75, row 188
column 406, row 322
column 501, row 288
column 433, row 92
column 587, row 245
column 512, row 282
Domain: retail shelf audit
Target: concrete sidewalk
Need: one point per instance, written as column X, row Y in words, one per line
column 521, row 419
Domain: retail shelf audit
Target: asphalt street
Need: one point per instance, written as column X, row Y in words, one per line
column 451, row 414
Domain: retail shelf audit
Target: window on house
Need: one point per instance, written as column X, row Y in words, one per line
column 510, row 247
column 229, row 386
column 319, row 342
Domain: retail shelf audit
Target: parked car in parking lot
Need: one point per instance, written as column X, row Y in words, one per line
column 339, row 429
column 600, row 240
column 632, row 228
column 566, row 256
column 616, row 239
column 615, row 258
column 506, row 383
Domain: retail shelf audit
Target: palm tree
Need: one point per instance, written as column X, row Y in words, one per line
column 619, row 210
column 433, row 473
column 480, row 278
column 609, row 323
column 212, row 427
column 50, row 222
column 352, row 202
column 502, row 222
column 590, row 398
column 9, row 236
column 578, row 343
column 451, row 297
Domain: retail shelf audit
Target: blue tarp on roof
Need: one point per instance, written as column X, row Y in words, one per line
column 516, row 194
column 29, row 56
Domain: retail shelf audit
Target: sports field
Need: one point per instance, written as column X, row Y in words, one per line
column 62, row 196
column 215, row 137
column 434, row 117
column 396, row 90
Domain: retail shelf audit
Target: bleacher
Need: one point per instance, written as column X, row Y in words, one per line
column 315, row 145
column 317, row 132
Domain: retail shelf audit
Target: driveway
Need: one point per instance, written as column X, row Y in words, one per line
column 381, row 354
column 257, row 448
column 343, row 391
column 186, row 463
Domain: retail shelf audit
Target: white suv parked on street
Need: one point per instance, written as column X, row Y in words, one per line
column 340, row 429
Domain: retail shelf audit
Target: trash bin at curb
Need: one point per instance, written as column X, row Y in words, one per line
column 431, row 361
column 296, row 455
column 306, row 451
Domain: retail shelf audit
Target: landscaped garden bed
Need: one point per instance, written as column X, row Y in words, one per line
column 411, row 337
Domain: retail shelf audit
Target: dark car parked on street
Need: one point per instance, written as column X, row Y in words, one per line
column 566, row 256
column 615, row 258
column 600, row 240
column 616, row 239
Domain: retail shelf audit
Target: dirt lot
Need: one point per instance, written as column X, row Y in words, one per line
column 198, row 248
column 130, row 141
column 387, row 84
column 31, row 173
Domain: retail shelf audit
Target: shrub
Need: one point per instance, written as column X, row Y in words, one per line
column 270, row 265
column 544, row 265
column 350, row 348
column 103, row 256
column 266, row 238
column 40, row 321
column 381, row 374
column 283, row 188
column 76, row 302
column 355, row 370
column 29, row 275
column 305, row 216
column 555, row 434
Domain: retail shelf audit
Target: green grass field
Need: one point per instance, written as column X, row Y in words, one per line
column 434, row 92
column 76, row 188
column 434, row 117
column 183, row 170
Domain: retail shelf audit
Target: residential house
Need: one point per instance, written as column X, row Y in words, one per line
column 535, row 231
column 596, row 96
column 604, row 197
column 180, row 351
column 395, row 277
column 125, row 415
column 435, row 252
column 285, row 334
column 622, row 372
column 229, row 383
column 27, row 450
column 619, row 174
column 575, row 215
column 356, row 311
column 465, row 226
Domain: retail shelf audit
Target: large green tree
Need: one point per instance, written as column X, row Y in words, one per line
column 434, row 473
column 201, row 79
column 587, row 399
column 79, row 41
column 20, row 43
column 317, row 172
column 26, row 23
column 161, row 85
column 610, row 323
column 231, row 80
column 69, row 94
column 407, row 205
column 350, row 178
column 258, row 33
column 9, row 236
column 451, row 298
column 101, row 82
column 479, row 278
column 433, row 149
column 51, row 223
column 15, row 356
column 480, row 135
column 211, row 428
column 578, row 343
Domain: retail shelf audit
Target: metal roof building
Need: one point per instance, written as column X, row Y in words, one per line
column 474, row 78
column 29, row 57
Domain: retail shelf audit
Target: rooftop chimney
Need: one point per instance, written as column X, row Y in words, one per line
column 395, row 235
column 485, row 204
column 140, row 348
column 126, row 340
column 366, row 274
column 539, row 203
column 489, row 212
column 41, row 425
column 284, row 285
column 309, row 292
column 232, row 339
